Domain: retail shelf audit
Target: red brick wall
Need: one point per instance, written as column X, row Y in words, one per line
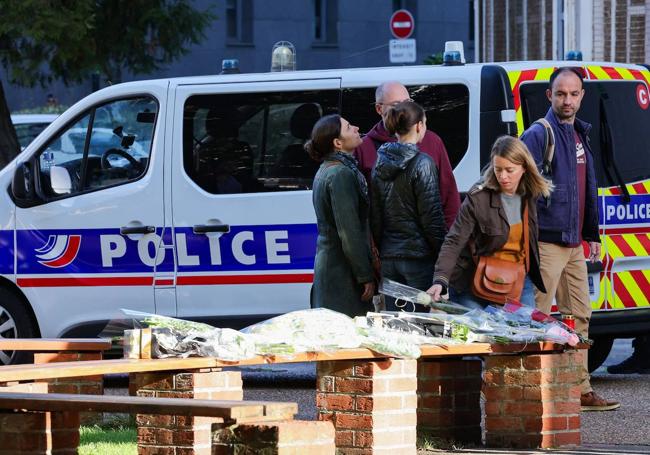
column 532, row 401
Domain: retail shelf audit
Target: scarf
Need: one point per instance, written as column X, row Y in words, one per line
column 348, row 160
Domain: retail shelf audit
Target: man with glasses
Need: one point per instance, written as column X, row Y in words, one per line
column 387, row 95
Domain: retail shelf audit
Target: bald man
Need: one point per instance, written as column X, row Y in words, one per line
column 387, row 95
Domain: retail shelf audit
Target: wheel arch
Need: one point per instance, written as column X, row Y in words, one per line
column 15, row 290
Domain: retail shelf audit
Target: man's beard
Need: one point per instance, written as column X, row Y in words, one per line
column 562, row 116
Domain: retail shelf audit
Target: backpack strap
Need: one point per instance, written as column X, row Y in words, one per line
column 549, row 146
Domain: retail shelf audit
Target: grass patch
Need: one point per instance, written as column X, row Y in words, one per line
column 436, row 443
column 108, row 439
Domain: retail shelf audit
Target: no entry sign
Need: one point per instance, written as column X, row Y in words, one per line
column 401, row 24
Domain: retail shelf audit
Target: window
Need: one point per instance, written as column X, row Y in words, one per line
column 628, row 123
column 325, row 21
column 110, row 145
column 27, row 132
column 239, row 21
column 447, row 108
column 252, row 142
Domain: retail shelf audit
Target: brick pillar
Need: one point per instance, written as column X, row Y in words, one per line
column 162, row 434
column 449, row 399
column 371, row 404
column 532, row 400
column 91, row 385
column 36, row 433
column 286, row 437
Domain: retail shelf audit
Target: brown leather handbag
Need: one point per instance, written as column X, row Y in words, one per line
column 497, row 280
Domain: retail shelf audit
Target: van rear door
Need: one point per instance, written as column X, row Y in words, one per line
column 244, row 225
column 622, row 164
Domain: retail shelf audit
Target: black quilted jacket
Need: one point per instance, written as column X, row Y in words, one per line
column 407, row 220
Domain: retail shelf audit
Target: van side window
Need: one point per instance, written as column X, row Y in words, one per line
column 252, row 142
column 627, row 119
column 109, row 145
column 447, row 108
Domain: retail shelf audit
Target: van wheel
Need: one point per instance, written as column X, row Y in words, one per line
column 15, row 322
column 599, row 351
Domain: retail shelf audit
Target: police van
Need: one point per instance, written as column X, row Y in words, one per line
column 191, row 197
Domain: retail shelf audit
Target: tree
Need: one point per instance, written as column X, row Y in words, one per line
column 42, row 41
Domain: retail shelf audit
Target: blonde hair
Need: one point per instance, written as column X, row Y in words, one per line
column 532, row 184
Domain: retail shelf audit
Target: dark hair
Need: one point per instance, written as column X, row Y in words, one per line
column 323, row 134
column 401, row 117
column 566, row 69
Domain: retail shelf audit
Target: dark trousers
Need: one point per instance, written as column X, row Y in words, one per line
column 417, row 273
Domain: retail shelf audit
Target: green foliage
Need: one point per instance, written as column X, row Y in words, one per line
column 57, row 109
column 70, row 39
column 433, row 59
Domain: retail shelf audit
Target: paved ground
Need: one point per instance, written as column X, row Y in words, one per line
column 624, row 431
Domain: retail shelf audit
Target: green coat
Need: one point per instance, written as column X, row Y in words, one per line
column 343, row 260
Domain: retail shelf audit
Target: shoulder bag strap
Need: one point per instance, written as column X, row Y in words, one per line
column 526, row 238
column 549, row 146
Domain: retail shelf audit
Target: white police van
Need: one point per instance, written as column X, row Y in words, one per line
column 190, row 197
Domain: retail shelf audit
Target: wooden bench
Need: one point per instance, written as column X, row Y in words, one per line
column 49, row 423
column 228, row 410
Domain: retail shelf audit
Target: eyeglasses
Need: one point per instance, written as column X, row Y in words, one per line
column 394, row 103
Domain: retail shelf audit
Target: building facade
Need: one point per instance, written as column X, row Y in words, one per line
column 325, row 33
column 608, row 30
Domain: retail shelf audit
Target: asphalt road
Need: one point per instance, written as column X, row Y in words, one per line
column 621, row 431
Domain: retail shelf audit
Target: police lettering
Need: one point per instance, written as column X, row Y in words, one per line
column 629, row 212
column 150, row 253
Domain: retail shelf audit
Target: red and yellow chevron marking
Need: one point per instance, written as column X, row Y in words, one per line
column 632, row 188
column 596, row 72
column 629, row 288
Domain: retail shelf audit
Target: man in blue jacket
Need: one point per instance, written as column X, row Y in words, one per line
column 570, row 215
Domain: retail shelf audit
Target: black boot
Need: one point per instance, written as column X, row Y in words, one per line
column 638, row 362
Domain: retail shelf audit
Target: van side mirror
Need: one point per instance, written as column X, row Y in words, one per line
column 22, row 185
column 60, row 180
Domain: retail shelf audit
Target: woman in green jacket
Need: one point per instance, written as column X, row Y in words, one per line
column 343, row 273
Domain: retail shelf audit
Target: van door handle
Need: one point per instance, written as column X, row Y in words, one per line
column 128, row 230
column 205, row 228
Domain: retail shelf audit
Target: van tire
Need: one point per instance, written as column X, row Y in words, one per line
column 598, row 353
column 15, row 322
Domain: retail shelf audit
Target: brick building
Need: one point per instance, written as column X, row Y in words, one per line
column 609, row 30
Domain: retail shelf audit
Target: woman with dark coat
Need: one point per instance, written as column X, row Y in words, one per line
column 343, row 273
column 490, row 223
column 407, row 220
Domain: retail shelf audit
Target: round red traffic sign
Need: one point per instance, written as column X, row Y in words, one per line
column 642, row 96
column 401, row 24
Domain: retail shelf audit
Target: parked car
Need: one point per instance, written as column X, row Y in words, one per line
column 28, row 126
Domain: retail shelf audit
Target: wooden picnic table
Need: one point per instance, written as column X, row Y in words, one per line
column 55, row 344
column 11, row 373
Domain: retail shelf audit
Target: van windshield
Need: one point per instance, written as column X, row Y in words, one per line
column 628, row 117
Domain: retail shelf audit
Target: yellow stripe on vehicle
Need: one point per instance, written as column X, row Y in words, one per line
column 514, row 77
column 633, row 242
column 612, row 249
column 633, row 289
column 625, row 73
column 599, row 72
column 544, row 74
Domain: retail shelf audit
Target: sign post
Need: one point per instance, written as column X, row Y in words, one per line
column 402, row 49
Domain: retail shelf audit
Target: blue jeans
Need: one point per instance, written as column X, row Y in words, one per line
column 469, row 300
column 417, row 273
